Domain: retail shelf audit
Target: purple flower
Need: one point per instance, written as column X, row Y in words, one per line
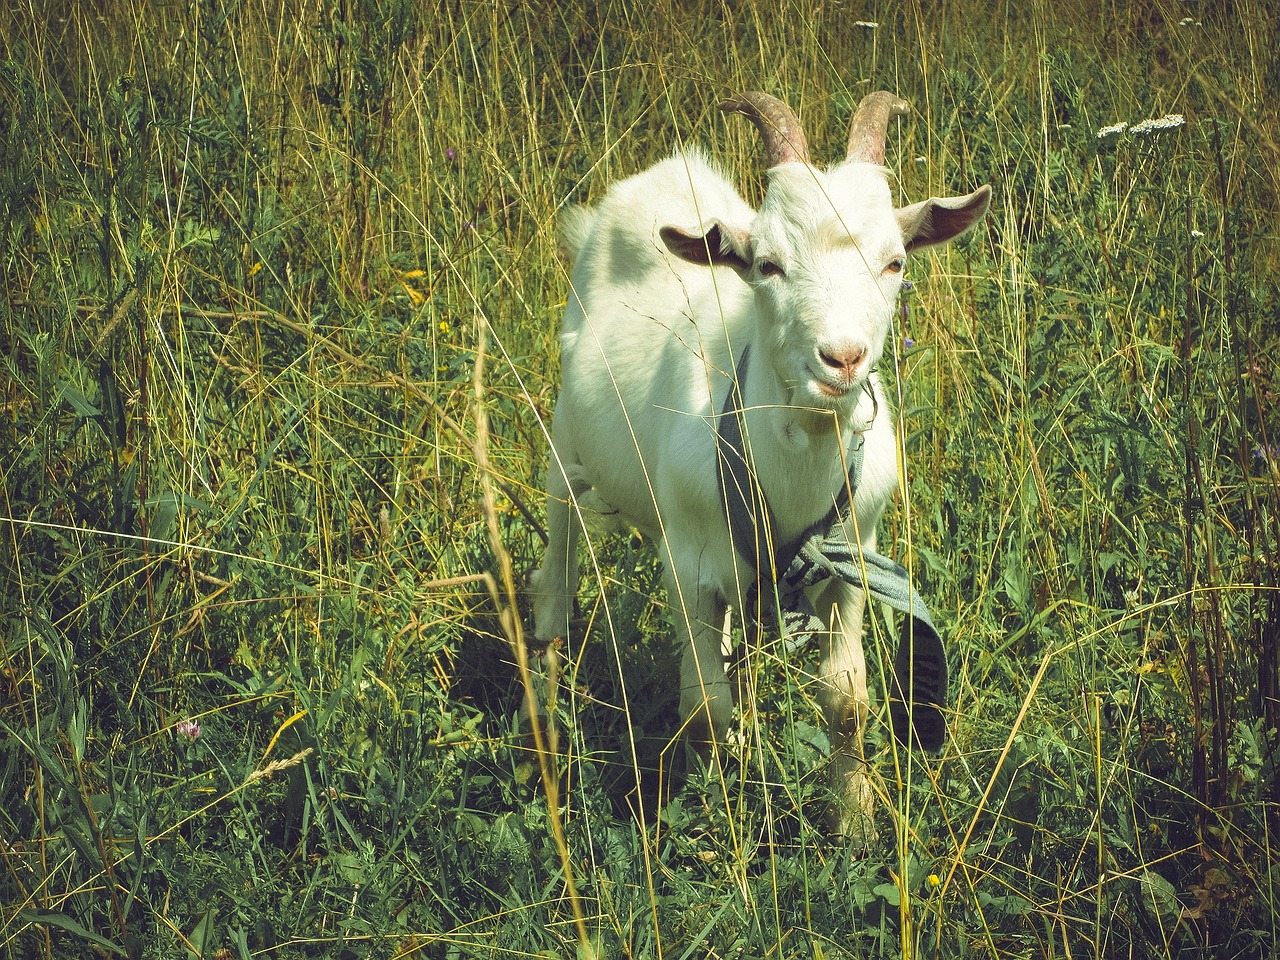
column 1263, row 453
column 450, row 154
column 907, row 343
column 187, row 730
column 907, row 288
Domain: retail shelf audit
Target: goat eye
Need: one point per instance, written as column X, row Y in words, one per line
column 768, row 268
column 895, row 265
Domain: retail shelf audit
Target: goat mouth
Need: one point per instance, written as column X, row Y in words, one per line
column 836, row 391
column 831, row 390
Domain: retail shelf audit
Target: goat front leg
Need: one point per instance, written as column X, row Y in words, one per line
column 706, row 697
column 554, row 585
column 556, row 582
column 842, row 675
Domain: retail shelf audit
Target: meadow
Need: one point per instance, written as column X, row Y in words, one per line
column 281, row 296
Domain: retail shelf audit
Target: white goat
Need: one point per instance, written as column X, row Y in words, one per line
column 674, row 276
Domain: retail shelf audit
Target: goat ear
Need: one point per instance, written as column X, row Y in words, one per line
column 721, row 245
column 940, row 219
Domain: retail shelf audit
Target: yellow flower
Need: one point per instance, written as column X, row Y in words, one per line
column 935, row 880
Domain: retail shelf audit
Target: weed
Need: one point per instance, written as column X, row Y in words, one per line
column 265, row 520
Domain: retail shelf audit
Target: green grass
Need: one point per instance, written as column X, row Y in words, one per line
column 253, row 475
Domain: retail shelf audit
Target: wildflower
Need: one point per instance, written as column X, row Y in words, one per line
column 187, row 730
column 450, row 154
column 1170, row 121
column 935, row 880
column 444, row 326
column 907, row 343
column 1115, row 128
column 1263, row 453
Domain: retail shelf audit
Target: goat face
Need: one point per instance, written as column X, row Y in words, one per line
column 826, row 253
column 824, row 258
column 826, row 269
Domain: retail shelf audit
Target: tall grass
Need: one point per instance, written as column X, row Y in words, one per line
column 256, row 683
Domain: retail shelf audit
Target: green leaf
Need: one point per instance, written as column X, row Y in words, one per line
column 1158, row 897
column 73, row 927
column 114, row 421
column 79, row 402
column 165, row 516
column 889, row 892
column 201, row 935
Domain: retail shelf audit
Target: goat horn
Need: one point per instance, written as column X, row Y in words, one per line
column 871, row 124
column 784, row 140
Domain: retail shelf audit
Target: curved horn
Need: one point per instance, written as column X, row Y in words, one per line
column 871, row 124
column 784, row 140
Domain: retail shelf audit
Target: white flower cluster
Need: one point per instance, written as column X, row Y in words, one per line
column 1170, row 121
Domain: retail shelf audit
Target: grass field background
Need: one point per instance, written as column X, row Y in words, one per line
column 279, row 344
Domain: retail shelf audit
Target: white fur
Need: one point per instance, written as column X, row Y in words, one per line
column 649, row 344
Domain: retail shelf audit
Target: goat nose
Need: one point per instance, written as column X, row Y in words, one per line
column 844, row 360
